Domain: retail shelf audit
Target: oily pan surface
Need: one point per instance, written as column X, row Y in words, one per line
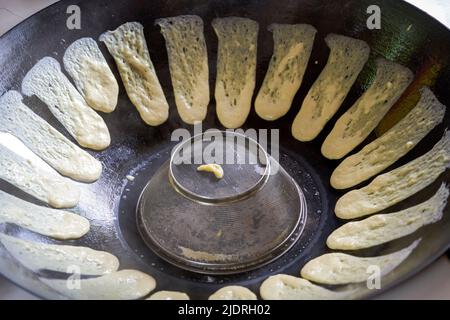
column 136, row 147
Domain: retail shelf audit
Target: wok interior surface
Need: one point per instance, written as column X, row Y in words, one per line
column 407, row 36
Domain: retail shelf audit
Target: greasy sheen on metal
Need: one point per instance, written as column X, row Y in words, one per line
column 408, row 36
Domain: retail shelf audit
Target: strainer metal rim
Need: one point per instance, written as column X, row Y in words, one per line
column 210, row 200
column 208, row 268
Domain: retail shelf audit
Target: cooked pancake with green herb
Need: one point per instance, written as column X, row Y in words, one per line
column 382, row 228
column 391, row 146
column 355, row 125
column 291, row 51
column 396, row 185
column 346, row 60
column 128, row 47
column 236, row 69
column 188, row 63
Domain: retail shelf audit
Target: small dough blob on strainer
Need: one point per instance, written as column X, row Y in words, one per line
column 213, row 168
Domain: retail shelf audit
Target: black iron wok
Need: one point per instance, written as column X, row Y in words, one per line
column 408, row 36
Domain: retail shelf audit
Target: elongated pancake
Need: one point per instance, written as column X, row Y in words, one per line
column 188, row 63
column 236, row 69
column 45, row 185
column 286, row 287
column 292, row 48
column 85, row 63
column 382, row 228
column 40, row 256
column 346, row 60
column 341, row 268
column 354, row 126
column 168, row 295
column 233, row 293
column 391, row 146
column 396, row 185
column 49, row 84
column 54, row 223
column 120, row 285
column 45, row 141
column 129, row 49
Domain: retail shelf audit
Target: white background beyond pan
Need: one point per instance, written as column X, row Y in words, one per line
column 431, row 283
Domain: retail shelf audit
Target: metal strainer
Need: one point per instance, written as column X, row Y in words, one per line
column 198, row 222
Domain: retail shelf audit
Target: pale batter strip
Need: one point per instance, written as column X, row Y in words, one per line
column 49, row 84
column 168, row 295
column 50, row 222
column 85, row 63
column 45, row 141
column 382, row 228
column 41, row 256
column 45, row 185
column 341, row 268
column 120, row 285
column 233, row 293
column 286, row 287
